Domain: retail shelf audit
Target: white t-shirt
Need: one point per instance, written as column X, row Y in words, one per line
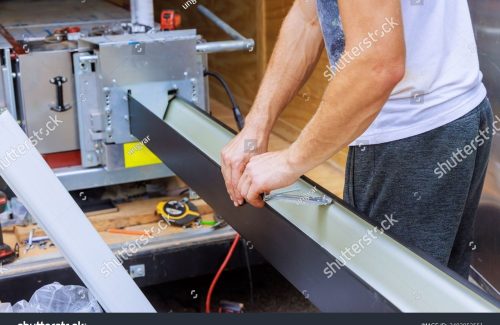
column 442, row 81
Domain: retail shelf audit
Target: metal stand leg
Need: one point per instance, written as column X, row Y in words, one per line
column 29, row 176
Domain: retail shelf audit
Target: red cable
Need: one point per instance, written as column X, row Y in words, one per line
column 219, row 272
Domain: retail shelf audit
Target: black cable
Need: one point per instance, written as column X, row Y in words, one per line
column 249, row 269
column 238, row 117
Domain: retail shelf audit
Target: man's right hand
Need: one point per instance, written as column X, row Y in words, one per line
column 235, row 156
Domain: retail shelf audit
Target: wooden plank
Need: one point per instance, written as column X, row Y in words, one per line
column 128, row 214
column 136, row 213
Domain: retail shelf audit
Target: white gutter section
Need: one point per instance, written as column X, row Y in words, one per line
column 29, row 176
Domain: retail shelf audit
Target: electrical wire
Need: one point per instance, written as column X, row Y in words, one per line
column 219, row 272
column 238, row 117
column 249, row 269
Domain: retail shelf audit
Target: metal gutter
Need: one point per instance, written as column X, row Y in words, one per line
column 299, row 240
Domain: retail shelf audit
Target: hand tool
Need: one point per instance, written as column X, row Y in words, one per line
column 299, row 199
column 29, row 242
column 35, row 240
column 181, row 213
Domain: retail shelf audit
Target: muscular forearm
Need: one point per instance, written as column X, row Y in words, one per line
column 349, row 106
column 351, row 101
column 356, row 95
column 294, row 57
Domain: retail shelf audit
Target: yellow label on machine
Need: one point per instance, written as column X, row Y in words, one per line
column 136, row 154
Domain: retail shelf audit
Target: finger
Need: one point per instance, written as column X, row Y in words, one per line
column 236, row 173
column 244, row 184
column 254, row 198
column 226, row 173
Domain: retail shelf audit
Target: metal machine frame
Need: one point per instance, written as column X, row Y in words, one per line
column 7, row 97
column 90, row 74
column 103, row 68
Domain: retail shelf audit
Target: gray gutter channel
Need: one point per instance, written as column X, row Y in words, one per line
column 300, row 241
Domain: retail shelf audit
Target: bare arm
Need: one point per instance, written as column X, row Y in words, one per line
column 354, row 99
column 294, row 57
column 350, row 103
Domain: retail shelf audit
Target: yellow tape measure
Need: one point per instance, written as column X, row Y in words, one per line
column 179, row 213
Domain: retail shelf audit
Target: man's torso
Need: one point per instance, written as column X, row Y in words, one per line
column 442, row 81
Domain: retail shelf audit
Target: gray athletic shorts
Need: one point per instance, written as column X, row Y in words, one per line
column 430, row 184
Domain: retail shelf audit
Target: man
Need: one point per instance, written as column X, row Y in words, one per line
column 405, row 93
